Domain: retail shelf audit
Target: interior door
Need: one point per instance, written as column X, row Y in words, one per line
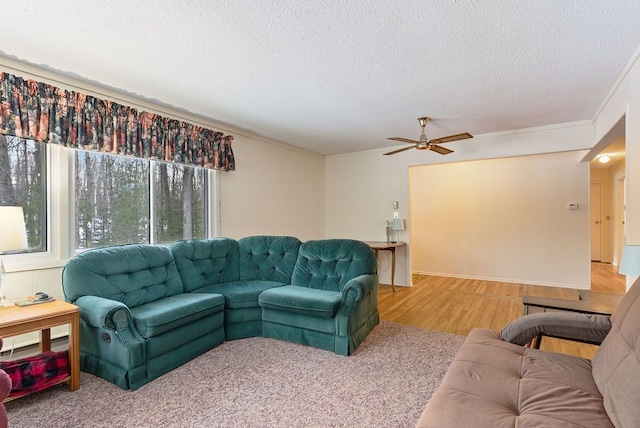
column 595, row 198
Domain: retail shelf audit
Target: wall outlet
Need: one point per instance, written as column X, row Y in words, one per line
column 395, row 214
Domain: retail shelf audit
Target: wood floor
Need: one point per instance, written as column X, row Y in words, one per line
column 456, row 305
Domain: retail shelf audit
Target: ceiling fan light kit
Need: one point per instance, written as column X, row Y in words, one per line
column 425, row 144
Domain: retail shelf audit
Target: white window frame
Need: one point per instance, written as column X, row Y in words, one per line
column 60, row 203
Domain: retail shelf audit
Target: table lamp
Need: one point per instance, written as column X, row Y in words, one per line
column 630, row 263
column 13, row 236
column 397, row 224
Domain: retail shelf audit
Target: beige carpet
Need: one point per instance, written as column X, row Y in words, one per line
column 261, row 382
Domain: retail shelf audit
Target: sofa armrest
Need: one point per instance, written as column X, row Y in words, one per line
column 589, row 328
column 357, row 288
column 109, row 314
column 99, row 312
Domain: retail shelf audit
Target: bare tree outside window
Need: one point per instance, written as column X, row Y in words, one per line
column 179, row 202
column 113, row 201
column 22, row 183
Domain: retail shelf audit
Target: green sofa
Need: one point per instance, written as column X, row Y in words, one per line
column 146, row 309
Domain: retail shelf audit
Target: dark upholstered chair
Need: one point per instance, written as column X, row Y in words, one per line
column 5, row 389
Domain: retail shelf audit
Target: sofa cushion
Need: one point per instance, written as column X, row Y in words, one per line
column 492, row 383
column 240, row 294
column 270, row 258
column 167, row 314
column 131, row 274
column 204, row 262
column 303, row 300
column 330, row 263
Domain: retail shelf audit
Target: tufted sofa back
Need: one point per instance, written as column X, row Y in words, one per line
column 616, row 366
column 330, row 263
column 268, row 258
column 131, row 274
column 204, row 262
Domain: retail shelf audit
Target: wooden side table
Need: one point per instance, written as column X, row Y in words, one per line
column 18, row 320
column 387, row 246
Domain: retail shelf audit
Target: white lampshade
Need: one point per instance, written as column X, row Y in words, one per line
column 397, row 224
column 630, row 263
column 13, row 232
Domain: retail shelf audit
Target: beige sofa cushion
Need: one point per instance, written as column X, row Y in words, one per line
column 492, row 383
column 616, row 366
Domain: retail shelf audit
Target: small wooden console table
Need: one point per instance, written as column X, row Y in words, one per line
column 387, row 246
column 16, row 320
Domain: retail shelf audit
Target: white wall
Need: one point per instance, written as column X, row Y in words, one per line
column 362, row 186
column 503, row 219
column 275, row 190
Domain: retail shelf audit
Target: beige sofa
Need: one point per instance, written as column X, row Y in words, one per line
column 495, row 383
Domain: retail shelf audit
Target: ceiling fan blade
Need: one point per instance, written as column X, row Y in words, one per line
column 438, row 149
column 456, row 137
column 398, row 151
column 404, row 140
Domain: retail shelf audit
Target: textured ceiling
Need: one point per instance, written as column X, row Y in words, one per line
column 340, row 76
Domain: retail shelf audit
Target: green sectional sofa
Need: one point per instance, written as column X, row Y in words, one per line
column 146, row 309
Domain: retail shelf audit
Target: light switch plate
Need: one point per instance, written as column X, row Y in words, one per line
column 395, row 205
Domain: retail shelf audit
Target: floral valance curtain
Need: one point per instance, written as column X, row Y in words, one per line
column 42, row 112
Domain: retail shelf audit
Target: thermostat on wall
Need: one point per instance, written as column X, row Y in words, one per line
column 573, row 206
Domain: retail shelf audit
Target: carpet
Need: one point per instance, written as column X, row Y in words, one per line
column 261, row 382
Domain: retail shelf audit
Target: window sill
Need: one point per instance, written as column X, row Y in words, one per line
column 27, row 262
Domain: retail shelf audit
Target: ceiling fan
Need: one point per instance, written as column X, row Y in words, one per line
column 425, row 144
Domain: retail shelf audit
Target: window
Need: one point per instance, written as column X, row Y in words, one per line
column 179, row 202
column 113, row 201
column 22, row 183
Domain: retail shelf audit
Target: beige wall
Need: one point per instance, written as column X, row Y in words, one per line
column 362, row 186
column 503, row 219
column 275, row 190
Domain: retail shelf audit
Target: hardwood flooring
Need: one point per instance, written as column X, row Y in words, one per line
column 456, row 305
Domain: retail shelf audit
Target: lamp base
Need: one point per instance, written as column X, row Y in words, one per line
column 6, row 303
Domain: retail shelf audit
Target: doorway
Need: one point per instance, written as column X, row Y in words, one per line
column 607, row 193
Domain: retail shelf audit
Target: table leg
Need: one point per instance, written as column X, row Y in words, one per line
column 393, row 268
column 74, row 351
column 45, row 340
